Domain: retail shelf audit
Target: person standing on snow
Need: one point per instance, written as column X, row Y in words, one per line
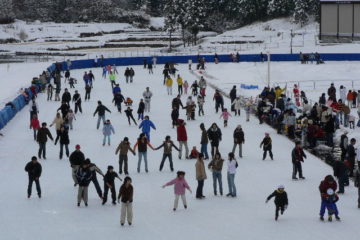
column 118, row 100
column 87, row 92
column 201, row 102
column 281, row 201
column 167, row 145
column 94, row 169
column 216, row 166
column 186, row 86
column 180, row 83
column 35, row 125
column 107, row 130
column 100, row 110
column 41, row 138
column 204, row 141
column 231, row 171
column 267, row 146
column 58, row 121
column 330, row 204
column 219, row 101
column 109, row 183
column 232, row 98
column 225, row 115
column 200, row 176
column 236, row 105
column 341, row 173
column 64, row 108
column 66, row 97
column 147, row 96
column 64, row 141
column 169, row 84
column 77, row 158
column 182, row 137
column 112, row 78
column 33, row 168
column 83, row 176
column 34, row 109
column 141, row 109
column 174, row 116
column 126, row 195
column 142, row 144
column 180, row 185
column 146, row 126
column 297, row 156
column 239, row 139
column 77, row 100
column 123, row 148
column 214, row 135
column 328, row 183
column 357, row 183
column 202, row 86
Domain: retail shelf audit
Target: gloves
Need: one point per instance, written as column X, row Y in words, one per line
column 266, row 201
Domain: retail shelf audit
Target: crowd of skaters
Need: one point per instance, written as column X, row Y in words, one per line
column 84, row 172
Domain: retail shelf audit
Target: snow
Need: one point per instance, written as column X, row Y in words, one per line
column 157, row 22
column 15, row 76
column 56, row 215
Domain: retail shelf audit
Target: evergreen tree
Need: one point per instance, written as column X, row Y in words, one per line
column 247, row 10
column 170, row 19
column 280, row 8
column 314, row 8
column 196, row 16
column 180, row 8
column 300, row 15
column 6, row 11
column 154, row 7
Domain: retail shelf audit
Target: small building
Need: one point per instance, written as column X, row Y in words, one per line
column 339, row 20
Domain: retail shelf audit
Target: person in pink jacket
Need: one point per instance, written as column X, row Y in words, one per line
column 180, row 185
column 225, row 115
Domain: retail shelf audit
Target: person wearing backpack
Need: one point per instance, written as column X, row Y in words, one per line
column 231, row 171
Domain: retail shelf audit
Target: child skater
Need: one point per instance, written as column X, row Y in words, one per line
column 180, row 185
column 194, row 153
column 330, row 204
column 186, row 86
column 281, row 200
column 225, row 115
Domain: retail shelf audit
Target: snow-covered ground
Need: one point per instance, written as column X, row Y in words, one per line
column 56, row 215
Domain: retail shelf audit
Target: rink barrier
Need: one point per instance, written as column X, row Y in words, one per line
column 128, row 61
column 9, row 112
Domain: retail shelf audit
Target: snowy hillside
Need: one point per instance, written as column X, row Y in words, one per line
column 56, row 216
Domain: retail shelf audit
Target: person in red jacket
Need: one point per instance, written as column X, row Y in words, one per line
column 35, row 125
column 182, row 137
column 328, row 183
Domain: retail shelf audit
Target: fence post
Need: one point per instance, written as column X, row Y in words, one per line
column 314, row 85
column 352, row 84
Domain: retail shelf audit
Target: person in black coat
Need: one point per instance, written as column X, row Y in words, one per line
column 87, row 91
column 77, row 158
column 267, row 146
column 239, row 139
column 341, row 172
column 94, row 169
column 233, row 97
column 109, row 183
column 41, row 137
column 77, row 100
column 100, row 110
column 174, row 116
column 64, row 141
column 297, row 156
column 33, row 168
column 118, row 100
column 129, row 115
column 281, row 200
column 214, row 135
column 84, row 177
column 66, row 97
column 329, row 131
column 176, row 102
column 141, row 110
column 64, row 108
column 350, row 156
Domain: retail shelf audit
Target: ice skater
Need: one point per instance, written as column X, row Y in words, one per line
column 281, row 200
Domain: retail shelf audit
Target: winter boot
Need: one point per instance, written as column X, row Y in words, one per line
column 78, row 204
column 321, row 218
column 330, row 218
column 86, row 204
column 337, row 218
column 174, row 209
column 185, row 206
column 276, row 217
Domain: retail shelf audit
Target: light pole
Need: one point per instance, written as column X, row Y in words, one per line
column 268, row 70
column 291, row 41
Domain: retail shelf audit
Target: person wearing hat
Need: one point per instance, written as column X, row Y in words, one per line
column 100, row 110
column 297, row 156
column 42, row 135
column 84, row 177
column 180, row 185
column 109, row 183
column 126, row 194
column 33, row 168
column 239, row 139
column 123, row 148
column 76, row 159
column 281, row 200
column 77, row 100
column 267, row 146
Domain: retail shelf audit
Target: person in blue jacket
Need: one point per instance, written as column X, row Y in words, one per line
column 116, row 89
column 146, row 126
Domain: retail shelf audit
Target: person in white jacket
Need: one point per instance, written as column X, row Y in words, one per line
column 237, row 106
column 147, row 97
column 343, row 93
column 232, row 165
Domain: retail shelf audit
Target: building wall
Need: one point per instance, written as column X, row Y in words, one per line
column 345, row 20
column 357, row 20
column 329, row 20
